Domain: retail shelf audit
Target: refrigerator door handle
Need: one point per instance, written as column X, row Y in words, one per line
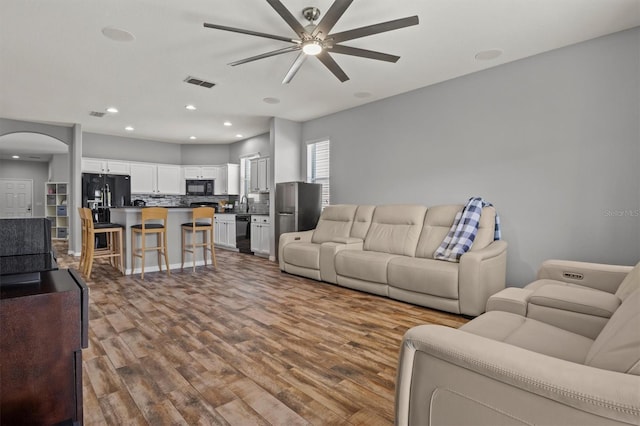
column 286, row 214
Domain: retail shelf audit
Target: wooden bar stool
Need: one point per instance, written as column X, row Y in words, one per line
column 202, row 220
column 160, row 229
column 114, row 249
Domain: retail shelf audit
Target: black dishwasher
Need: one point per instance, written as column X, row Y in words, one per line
column 243, row 233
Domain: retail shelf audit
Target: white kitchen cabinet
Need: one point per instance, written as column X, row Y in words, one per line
column 259, row 175
column 227, row 180
column 200, row 172
column 261, row 235
column 143, row 178
column 224, row 230
column 148, row 178
column 98, row 165
column 169, row 180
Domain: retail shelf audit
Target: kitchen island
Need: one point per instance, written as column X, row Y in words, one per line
column 224, row 234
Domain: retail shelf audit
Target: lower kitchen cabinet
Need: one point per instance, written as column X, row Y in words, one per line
column 224, row 230
column 260, row 235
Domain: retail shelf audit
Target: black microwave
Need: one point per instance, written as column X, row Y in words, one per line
column 200, row 187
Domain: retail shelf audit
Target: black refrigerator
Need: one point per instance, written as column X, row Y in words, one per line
column 102, row 191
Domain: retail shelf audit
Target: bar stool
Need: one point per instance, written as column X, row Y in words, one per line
column 114, row 249
column 197, row 225
column 160, row 229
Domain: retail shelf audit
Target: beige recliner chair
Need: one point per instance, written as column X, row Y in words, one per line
column 506, row 368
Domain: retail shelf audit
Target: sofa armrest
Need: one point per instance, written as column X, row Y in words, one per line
column 449, row 376
column 576, row 299
column 593, row 275
column 482, row 273
column 291, row 237
column 328, row 252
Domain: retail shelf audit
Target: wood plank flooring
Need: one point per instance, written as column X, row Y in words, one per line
column 241, row 345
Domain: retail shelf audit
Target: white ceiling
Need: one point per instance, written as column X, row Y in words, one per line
column 57, row 66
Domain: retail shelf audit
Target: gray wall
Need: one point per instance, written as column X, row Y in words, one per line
column 254, row 145
column 205, row 154
column 59, row 168
column 552, row 140
column 129, row 149
column 36, row 171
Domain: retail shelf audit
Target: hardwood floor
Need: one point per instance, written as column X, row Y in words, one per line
column 241, row 345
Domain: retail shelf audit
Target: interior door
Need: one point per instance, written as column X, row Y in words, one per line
column 16, row 198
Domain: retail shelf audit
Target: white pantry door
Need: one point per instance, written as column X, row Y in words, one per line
column 16, row 198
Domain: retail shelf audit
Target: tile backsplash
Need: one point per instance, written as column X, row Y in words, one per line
column 258, row 203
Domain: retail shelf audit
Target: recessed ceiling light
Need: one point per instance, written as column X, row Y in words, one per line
column 487, row 55
column 190, row 107
column 129, row 129
column 362, row 95
column 238, row 135
column 227, row 123
column 112, row 110
column 15, row 156
column 272, row 101
column 192, row 138
column 117, row 34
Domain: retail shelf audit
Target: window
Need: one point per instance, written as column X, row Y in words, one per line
column 318, row 168
column 245, row 173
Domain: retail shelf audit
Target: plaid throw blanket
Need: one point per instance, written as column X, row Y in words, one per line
column 463, row 231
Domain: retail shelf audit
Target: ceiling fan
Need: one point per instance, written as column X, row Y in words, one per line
column 316, row 40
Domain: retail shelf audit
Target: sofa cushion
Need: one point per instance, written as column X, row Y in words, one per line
column 306, row 255
column 335, row 221
column 395, row 229
column 530, row 334
column 438, row 222
column 617, row 347
column 426, row 276
column 362, row 221
column 630, row 283
column 363, row 265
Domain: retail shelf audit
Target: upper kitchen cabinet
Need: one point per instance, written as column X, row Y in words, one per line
column 259, row 175
column 200, row 172
column 228, row 180
column 97, row 165
column 170, row 180
column 147, row 178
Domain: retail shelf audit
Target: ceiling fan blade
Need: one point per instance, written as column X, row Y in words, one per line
column 294, row 67
column 287, row 16
column 364, row 53
column 333, row 66
column 373, row 29
column 249, row 32
column 331, row 17
column 266, row 55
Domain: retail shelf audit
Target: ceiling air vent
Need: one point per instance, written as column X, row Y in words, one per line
column 97, row 114
column 199, row 82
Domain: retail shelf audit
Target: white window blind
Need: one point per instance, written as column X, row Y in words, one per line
column 318, row 168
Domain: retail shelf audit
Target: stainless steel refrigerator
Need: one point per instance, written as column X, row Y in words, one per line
column 298, row 207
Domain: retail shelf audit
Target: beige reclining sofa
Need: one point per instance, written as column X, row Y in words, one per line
column 388, row 250
column 506, row 368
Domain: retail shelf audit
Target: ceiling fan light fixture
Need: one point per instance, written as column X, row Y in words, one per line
column 312, row 47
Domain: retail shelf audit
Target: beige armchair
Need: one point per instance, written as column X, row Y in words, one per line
column 506, row 368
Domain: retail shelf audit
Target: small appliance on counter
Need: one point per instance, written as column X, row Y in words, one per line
column 139, row 203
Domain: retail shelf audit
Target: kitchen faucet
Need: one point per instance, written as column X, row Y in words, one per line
column 246, row 202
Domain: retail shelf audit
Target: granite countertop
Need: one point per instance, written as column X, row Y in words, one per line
column 188, row 207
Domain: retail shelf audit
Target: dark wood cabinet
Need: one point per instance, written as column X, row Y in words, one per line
column 43, row 328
